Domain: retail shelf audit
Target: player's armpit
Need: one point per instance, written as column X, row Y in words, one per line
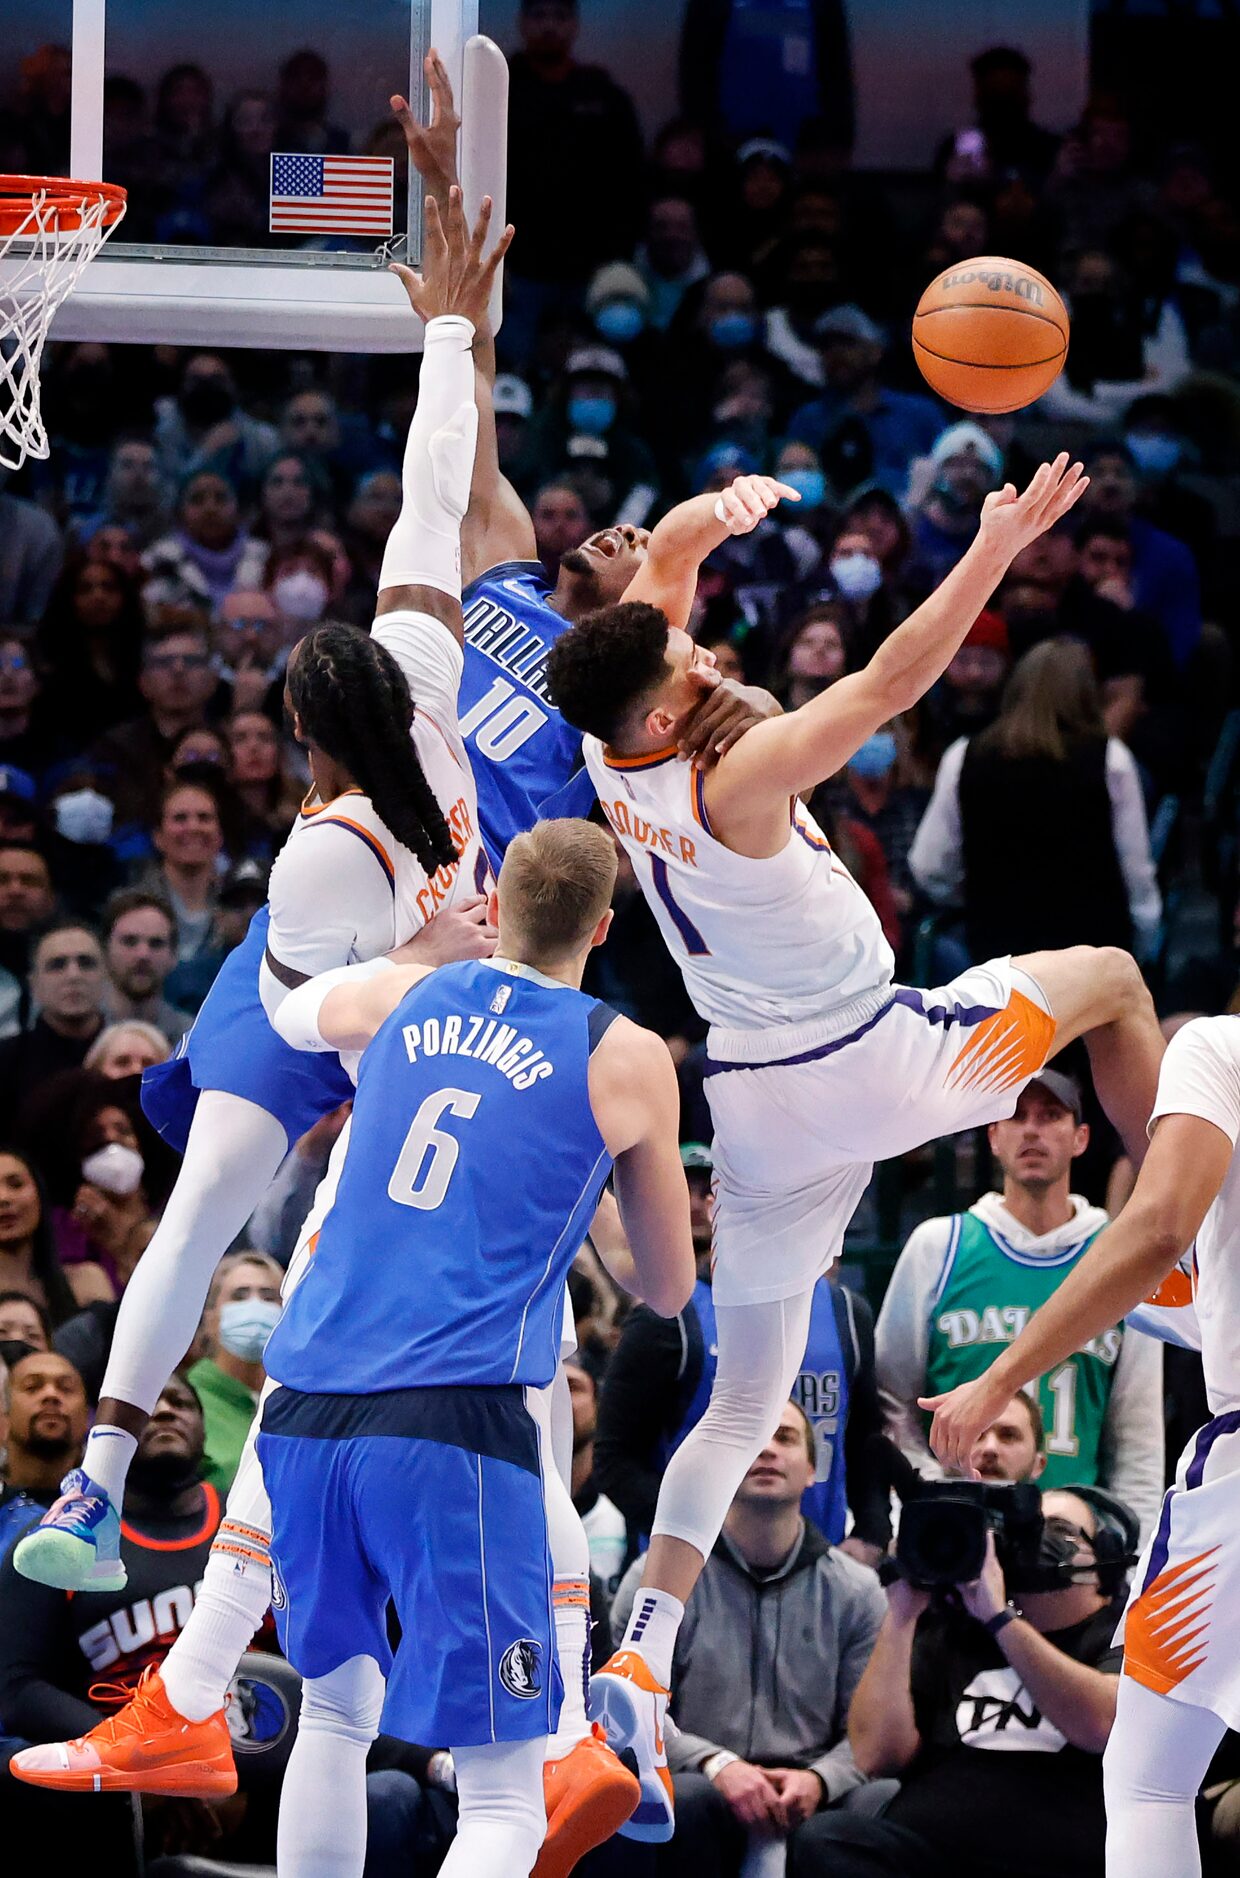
column 636, row 1103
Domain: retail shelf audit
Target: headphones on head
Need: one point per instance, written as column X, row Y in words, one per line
column 1117, row 1540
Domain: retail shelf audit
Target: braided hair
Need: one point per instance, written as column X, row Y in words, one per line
column 354, row 704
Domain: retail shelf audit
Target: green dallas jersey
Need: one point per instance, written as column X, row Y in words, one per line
column 990, row 1292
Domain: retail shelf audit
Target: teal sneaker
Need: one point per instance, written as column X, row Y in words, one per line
column 76, row 1546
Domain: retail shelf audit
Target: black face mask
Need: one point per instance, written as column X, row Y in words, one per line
column 12, row 1350
column 206, row 401
column 1056, row 1568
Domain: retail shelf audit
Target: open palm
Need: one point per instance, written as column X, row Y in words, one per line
column 1011, row 520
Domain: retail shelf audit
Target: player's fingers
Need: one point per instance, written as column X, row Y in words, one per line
column 411, row 282
column 497, row 254
column 783, row 491
column 400, row 110
column 478, row 234
column 434, row 237
column 441, row 87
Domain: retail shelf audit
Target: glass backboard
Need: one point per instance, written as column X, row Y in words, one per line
column 268, row 183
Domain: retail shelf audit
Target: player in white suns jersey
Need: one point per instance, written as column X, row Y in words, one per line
column 817, row 1065
column 1180, row 1687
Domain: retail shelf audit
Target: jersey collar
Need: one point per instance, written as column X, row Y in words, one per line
column 515, row 969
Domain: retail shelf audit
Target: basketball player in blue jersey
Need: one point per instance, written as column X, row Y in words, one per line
column 401, row 1459
column 526, row 759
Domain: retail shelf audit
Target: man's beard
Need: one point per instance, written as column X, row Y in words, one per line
column 164, row 1476
column 49, row 1447
column 578, row 562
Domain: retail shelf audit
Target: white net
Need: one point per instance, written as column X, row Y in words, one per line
column 44, row 245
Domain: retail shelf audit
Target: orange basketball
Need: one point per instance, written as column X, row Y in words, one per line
column 990, row 334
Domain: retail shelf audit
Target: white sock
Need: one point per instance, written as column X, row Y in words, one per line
column 233, row 1600
column 572, row 1647
column 109, row 1451
column 424, row 547
column 655, row 1620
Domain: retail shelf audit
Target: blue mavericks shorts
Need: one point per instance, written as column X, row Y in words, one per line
column 432, row 1498
column 232, row 1047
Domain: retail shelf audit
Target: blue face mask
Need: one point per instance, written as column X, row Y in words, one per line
column 619, row 321
column 810, row 485
column 856, row 575
column 876, row 756
column 592, row 415
column 1155, row 454
column 246, row 1324
column 731, row 331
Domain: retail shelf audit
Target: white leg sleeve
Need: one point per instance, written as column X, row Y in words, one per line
column 231, row 1158
column 1155, row 1762
column 233, row 1597
column 424, row 548
column 761, row 1347
column 503, row 1818
column 322, row 1830
column 570, row 1569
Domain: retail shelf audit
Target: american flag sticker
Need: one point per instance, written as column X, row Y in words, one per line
column 338, row 195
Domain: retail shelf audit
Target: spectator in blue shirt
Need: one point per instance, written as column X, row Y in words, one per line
column 1164, row 572
column 862, row 430
column 965, row 465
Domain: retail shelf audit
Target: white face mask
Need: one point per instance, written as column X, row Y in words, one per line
column 116, row 1168
column 301, row 595
column 856, row 575
column 84, row 816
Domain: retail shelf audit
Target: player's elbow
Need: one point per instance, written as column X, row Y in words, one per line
column 667, row 1280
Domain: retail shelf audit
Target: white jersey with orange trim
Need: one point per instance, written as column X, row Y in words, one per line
column 381, row 894
column 1177, row 1631
column 763, row 944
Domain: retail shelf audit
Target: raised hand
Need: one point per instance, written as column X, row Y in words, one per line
column 1011, row 521
column 455, row 278
column 747, row 500
column 960, row 1416
column 432, row 146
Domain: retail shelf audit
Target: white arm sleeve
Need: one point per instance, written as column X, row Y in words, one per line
column 297, row 1018
column 1133, row 1431
column 1200, row 1075
column 936, row 857
column 1132, row 841
column 902, row 1339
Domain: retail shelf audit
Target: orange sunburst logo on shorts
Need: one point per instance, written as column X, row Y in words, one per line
column 1008, row 1048
column 1165, row 1631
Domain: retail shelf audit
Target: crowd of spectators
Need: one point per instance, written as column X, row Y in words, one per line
column 678, row 311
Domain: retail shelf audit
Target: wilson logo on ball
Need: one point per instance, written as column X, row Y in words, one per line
column 1019, row 284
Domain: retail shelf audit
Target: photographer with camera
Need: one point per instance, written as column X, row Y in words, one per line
column 991, row 1690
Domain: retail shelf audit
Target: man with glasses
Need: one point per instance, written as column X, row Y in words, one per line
column 66, row 989
column 177, row 681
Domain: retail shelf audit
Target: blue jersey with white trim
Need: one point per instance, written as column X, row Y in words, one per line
column 472, row 1173
column 526, row 759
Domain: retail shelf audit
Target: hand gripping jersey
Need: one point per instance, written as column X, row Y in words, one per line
column 526, row 758
column 473, row 1169
column 761, row 943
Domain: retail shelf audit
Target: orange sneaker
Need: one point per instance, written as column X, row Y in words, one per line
column 589, row 1795
column 631, row 1704
column 146, row 1747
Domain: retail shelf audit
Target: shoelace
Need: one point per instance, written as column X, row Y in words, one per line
column 131, row 1705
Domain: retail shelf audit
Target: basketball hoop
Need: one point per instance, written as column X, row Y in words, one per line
column 49, row 229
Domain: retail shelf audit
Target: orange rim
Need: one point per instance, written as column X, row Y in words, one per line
column 69, row 199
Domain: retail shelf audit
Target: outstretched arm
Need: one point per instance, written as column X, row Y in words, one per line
column 678, row 545
column 1178, row 1183
column 787, row 755
column 497, row 525
column 343, row 1009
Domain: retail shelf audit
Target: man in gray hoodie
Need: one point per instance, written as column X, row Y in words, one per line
column 967, row 1284
column 775, row 1639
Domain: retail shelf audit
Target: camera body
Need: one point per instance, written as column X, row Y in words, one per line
column 944, row 1527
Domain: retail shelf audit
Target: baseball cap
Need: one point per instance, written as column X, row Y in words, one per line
column 600, row 360
column 695, row 1154
column 619, row 280
column 958, row 438
column 988, row 629
column 1065, row 1089
column 848, row 322
column 16, row 783
column 512, row 397
column 245, row 882
column 767, row 148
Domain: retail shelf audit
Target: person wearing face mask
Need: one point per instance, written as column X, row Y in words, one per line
column 618, row 302
column 964, row 465
column 243, row 1308
column 204, row 425
column 870, row 792
column 299, row 580
column 993, row 1706
column 584, row 433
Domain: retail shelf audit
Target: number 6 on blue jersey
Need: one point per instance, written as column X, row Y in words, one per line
column 409, row 1185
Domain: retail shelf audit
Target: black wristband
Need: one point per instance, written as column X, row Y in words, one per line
column 1000, row 1620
